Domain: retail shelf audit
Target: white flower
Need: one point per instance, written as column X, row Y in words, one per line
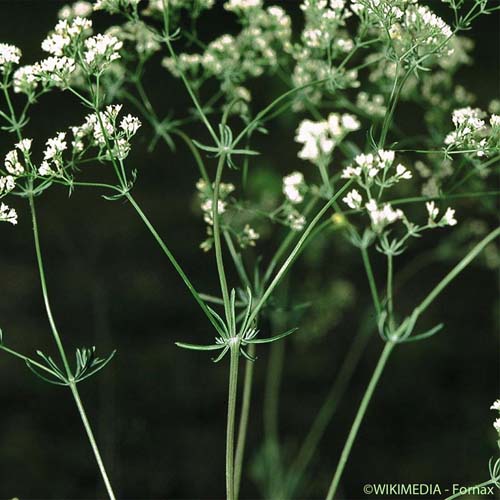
column 241, row 5
column 56, row 70
column 114, row 6
column 353, row 199
column 432, row 210
column 45, row 169
column 24, row 145
column 248, row 237
column 7, row 184
column 130, row 124
column 386, row 157
column 296, row 221
column 381, row 217
column 101, row 50
column 495, row 120
column 8, row 214
column 350, row 122
column 64, row 34
column 402, row 172
column 315, row 140
column 448, row 218
column 207, row 209
column 78, row 9
column 55, row 146
column 292, row 185
column 12, row 163
column 495, row 405
column 350, row 172
column 9, row 54
column 25, row 79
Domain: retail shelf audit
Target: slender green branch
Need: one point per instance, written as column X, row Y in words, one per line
column 244, row 418
column 290, row 259
column 190, row 91
column 371, row 280
column 231, row 416
column 457, row 270
column 390, row 278
column 172, row 259
column 26, row 359
column 217, row 239
column 328, row 409
column 359, row 419
column 62, row 353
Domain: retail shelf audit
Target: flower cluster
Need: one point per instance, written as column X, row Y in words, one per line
column 14, row 167
column 206, row 199
column 373, row 106
column 53, row 163
column 8, row 214
column 80, row 8
column 101, row 51
column 379, row 169
column 472, row 133
column 294, row 187
column 320, row 138
column 232, row 59
column 9, row 55
column 369, row 169
column 412, row 29
column 115, row 6
column 65, row 37
column 138, row 33
column 103, row 131
column 323, row 40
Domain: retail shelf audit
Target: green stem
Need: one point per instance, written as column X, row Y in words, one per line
column 457, row 270
column 62, row 353
column 90, row 435
column 371, row 280
column 244, row 418
column 359, row 418
column 328, row 408
column 390, row 278
column 171, row 258
column 288, row 262
column 231, row 414
column 26, row 359
column 217, row 240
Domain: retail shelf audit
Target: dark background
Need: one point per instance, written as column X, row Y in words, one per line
column 159, row 412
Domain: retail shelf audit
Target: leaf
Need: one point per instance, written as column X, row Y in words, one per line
column 197, row 347
column 63, row 382
column 425, row 335
column 271, row 339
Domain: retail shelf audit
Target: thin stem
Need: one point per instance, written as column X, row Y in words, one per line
column 371, row 280
column 190, row 91
column 231, row 414
column 390, row 278
column 457, row 270
column 244, row 418
column 62, row 352
column 359, row 418
column 90, row 435
column 290, row 259
column 217, row 239
column 171, row 258
column 25, row 359
column 328, row 408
